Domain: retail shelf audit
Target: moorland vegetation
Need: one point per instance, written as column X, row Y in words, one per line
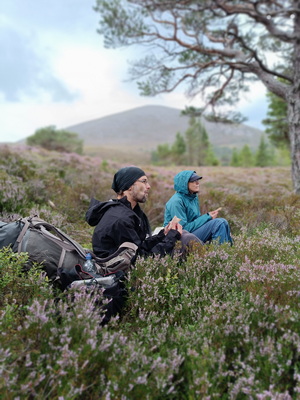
column 224, row 323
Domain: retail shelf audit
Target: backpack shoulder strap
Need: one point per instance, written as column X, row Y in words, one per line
column 129, row 245
column 22, row 233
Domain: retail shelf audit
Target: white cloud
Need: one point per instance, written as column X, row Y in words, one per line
column 91, row 78
column 96, row 75
column 100, row 93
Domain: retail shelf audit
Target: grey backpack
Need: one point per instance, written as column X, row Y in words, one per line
column 55, row 250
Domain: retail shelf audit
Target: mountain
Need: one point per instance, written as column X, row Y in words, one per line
column 143, row 128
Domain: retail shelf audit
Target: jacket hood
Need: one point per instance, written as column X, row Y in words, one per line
column 181, row 181
column 97, row 209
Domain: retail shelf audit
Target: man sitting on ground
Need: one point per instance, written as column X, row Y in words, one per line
column 122, row 220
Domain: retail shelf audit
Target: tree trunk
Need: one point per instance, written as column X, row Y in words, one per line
column 294, row 132
column 293, row 100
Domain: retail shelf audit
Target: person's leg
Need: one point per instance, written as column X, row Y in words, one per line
column 223, row 233
column 188, row 240
column 215, row 229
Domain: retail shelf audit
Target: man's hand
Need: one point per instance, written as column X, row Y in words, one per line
column 174, row 224
column 215, row 213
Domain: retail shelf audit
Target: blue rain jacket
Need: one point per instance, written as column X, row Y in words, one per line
column 185, row 205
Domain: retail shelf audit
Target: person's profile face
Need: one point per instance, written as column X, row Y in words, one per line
column 194, row 187
column 140, row 189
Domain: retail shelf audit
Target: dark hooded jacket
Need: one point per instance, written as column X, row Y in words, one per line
column 116, row 222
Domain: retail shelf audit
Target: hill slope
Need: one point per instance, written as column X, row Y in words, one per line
column 143, row 128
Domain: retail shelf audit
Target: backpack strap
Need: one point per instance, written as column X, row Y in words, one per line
column 62, row 257
column 22, row 233
column 120, row 260
column 129, row 245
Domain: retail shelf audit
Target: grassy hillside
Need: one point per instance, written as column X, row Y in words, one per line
column 224, row 323
column 142, row 129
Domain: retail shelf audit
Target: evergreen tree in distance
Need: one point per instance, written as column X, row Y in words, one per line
column 263, row 155
column 194, row 148
column 235, row 159
column 276, row 122
column 178, row 150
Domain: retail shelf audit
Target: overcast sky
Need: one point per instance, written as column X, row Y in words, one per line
column 54, row 70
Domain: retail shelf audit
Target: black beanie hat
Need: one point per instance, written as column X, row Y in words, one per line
column 125, row 178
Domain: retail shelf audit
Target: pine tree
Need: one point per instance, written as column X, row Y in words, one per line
column 246, row 157
column 198, row 148
column 277, row 124
column 263, row 155
column 192, row 149
column 178, row 150
column 162, row 155
column 235, row 158
column 191, row 142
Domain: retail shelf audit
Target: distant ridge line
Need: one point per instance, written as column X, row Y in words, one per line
column 146, row 127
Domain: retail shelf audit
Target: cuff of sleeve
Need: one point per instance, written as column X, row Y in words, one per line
column 161, row 233
column 174, row 234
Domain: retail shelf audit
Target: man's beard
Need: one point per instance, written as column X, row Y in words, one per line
column 142, row 199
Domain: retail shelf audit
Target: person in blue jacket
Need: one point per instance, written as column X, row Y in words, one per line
column 184, row 204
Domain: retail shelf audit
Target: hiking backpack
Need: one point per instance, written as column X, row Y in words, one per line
column 57, row 252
